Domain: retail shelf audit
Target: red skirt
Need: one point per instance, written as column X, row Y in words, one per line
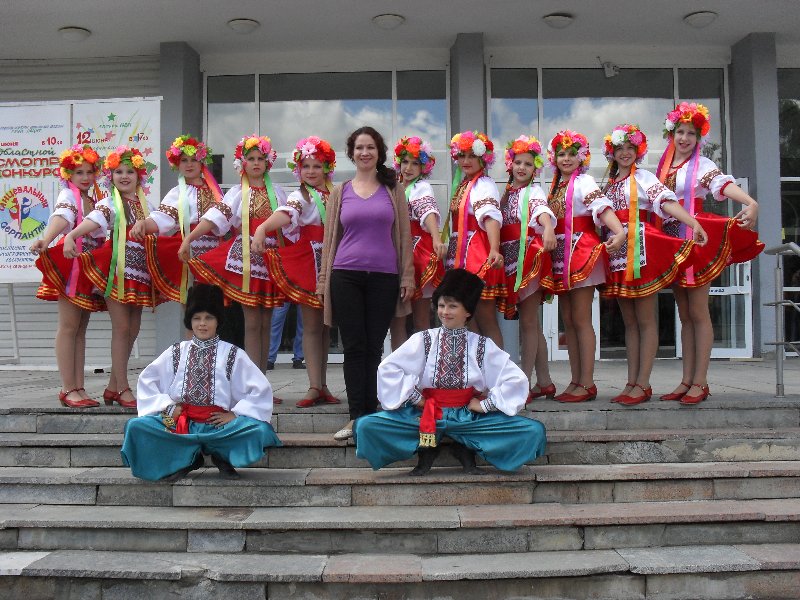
column 587, row 249
column 223, row 266
column 537, row 263
column 428, row 269
column 295, row 268
column 664, row 259
column 137, row 284
column 56, row 270
column 494, row 280
column 165, row 267
column 727, row 244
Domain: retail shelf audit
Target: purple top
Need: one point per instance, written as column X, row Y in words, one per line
column 366, row 243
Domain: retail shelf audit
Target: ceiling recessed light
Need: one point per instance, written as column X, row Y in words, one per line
column 244, row 26
column 74, row 34
column 558, row 20
column 388, row 21
column 700, row 19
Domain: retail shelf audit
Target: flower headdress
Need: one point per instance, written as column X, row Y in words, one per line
column 254, row 142
column 481, row 146
column 524, row 145
column 570, row 140
column 191, row 147
column 313, row 147
column 416, row 148
column 74, row 156
column 126, row 156
column 625, row 133
column 688, row 112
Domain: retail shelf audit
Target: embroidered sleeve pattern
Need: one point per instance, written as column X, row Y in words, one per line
column 176, row 356
column 426, row 340
column 422, row 206
column 224, row 209
column 481, row 352
column 655, row 191
column 414, row 397
column 488, row 405
column 67, row 206
column 706, row 180
column 170, row 211
column 591, row 197
column 485, row 202
column 106, row 212
column 229, row 364
column 295, row 204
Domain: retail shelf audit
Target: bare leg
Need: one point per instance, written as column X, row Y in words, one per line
column 422, row 314
column 565, row 306
column 703, row 336
column 397, row 329
column 314, row 349
column 266, row 335
column 529, row 332
column 645, row 315
column 584, row 331
column 687, row 335
column 80, row 353
column 486, row 321
column 253, row 340
column 542, row 364
column 69, row 323
column 626, row 307
column 120, row 343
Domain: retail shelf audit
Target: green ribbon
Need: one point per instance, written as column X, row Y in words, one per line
column 523, row 235
column 317, row 197
column 457, row 176
column 118, row 239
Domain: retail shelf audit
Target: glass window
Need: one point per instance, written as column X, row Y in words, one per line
column 789, row 119
column 790, row 214
column 514, row 110
column 705, row 86
column 330, row 105
column 231, row 116
column 588, row 102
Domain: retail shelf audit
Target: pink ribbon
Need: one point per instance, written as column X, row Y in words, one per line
column 568, row 228
column 72, row 282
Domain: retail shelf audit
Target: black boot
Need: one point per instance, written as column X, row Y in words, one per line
column 466, row 457
column 426, row 458
column 196, row 464
column 226, row 469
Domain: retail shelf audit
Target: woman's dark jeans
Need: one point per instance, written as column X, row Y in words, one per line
column 363, row 306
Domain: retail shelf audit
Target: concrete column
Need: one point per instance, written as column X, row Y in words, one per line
column 467, row 83
column 181, row 88
column 756, row 155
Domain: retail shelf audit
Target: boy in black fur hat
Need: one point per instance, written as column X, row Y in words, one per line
column 433, row 384
column 201, row 396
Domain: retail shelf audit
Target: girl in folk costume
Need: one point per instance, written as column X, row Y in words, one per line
column 649, row 261
column 526, row 239
column 414, row 161
column 579, row 266
column 431, row 386
column 476, row 221
column 200, row 396
column 179, row 212
column 294, row 268
column 119, row 267
column 692, row 176
column 62, row 278
column 234, row 266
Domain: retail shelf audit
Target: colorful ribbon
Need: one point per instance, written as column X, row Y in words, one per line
column 118, row 239
column 184, row 220
column 317, row 197
column 245, row 234
column 463, row 221
column 72, row 282
column 689, row 203
column 633, row 270
column 568, row 228
column 457, row 175
column 523, row 235
column 212, row 184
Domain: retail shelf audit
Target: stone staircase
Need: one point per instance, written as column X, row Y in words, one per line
column 657, row 501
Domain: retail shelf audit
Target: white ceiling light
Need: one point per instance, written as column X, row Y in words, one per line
column 244, row 26
column 700, row 19
column 74, row 34
column 388, row 21
column 558, row 20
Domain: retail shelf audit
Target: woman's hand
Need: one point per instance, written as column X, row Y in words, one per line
column 218, row 419
column 184, row 252
column 259, row 239
column 549, row 241
column 495, row 259
column 406, row 293
column 615, row 242
column 439, row 248
column 177, row 412
column 38, row 247
column 70, row 249
column 699, row 235
column 748, row 216
column 475, row 406
column 138, row 231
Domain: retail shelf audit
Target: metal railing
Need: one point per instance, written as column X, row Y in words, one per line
column 780, row 304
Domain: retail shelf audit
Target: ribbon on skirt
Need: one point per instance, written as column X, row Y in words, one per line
column 457, row 176
column 184, row 220
column 462, row 220
column 273, row 204
column 435, row 400
column 72, row 282
column 523, row 235
column 633, row 269
column 568, row 228
column 118, row 240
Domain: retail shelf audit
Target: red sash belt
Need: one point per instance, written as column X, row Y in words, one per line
column 435, row 400
column 472, row 224
column 198, row 414
column 314, row 233
column 418, row 230
column 578, row 224
column 511, row 232
column 624, row 214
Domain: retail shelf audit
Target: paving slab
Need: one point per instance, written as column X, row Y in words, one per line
column 13, row 563
column 688, row 559
column 773, row 556
column 349, row 517
column 104, row 565
column 372, row 568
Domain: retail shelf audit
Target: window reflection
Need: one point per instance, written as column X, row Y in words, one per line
column 231, row 115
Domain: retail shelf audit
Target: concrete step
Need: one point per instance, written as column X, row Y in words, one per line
column 725, row 572
column 444, row 486
column 401, row 529
column 320, row 450
column 744, row 413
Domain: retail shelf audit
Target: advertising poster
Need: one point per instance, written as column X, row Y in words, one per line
column 31, row 138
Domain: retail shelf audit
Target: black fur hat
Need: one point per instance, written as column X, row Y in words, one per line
column 203, row 297
column 461, row 285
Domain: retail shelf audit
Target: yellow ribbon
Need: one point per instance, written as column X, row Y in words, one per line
column 633, row 269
